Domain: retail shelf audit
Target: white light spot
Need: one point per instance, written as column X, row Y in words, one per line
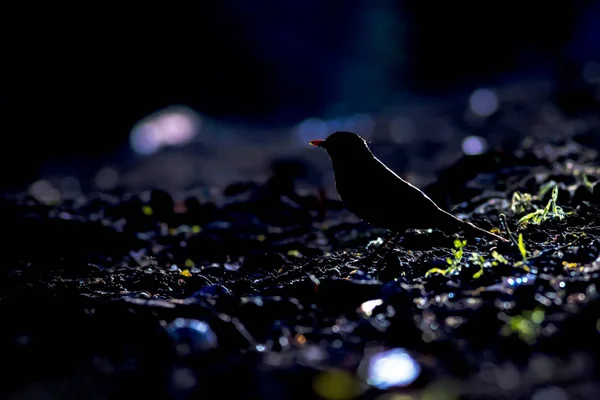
column 177, row 129
column 283, row 341
column 392, row 368
column 473, row 145
column 483, row 102
column 44, row 192
column 145, row 138
column 368, row 306
column 107, row 178
column 311, row 129
column 312, row 354
column 40, row 188
column 402, row 130
column 173, row 126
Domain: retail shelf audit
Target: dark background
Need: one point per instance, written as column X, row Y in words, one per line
column 76, row 78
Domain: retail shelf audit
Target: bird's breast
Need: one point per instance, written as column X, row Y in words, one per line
column 378, row 196
column 360, row 194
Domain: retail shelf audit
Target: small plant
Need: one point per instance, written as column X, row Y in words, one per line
column 457, row 253
column 477, row 259
column 545, row 187
column 521, row 202
column 527, row 325
column 499, row 258
column 453, row 262
column 587, row 183
column 551, row 211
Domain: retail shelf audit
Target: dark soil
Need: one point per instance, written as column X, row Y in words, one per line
column 260, row 293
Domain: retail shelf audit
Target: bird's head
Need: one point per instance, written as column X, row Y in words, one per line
column 346, row 144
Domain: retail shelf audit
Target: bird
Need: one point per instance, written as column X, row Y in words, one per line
column 377, row 195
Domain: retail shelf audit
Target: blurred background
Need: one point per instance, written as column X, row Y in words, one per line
column 185, row 94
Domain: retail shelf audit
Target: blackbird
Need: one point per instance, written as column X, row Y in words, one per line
column 376, row 195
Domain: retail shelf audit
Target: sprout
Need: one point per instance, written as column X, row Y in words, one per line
column 551, row 211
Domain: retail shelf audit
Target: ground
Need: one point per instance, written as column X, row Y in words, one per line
column 261, row 292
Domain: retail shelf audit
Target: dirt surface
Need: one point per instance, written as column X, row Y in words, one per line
column 259, row 291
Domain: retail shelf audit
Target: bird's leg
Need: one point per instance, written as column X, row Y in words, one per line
column 374, row 253
column 392, row 237
column 396, row 238
column 395, row 241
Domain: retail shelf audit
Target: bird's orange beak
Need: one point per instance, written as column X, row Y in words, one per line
column 318, row 142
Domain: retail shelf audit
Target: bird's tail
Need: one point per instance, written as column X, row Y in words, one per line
column 472, row 231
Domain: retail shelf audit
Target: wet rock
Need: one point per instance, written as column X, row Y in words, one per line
column 197, row 282
column 346, row 295
column 268, row 262
column 212, row 290
column 255, row 318
column 190, row 335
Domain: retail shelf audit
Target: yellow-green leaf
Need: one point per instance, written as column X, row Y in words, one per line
column 522, row 247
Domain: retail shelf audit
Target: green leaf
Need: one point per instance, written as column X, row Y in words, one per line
column 587, row 182
column 545, row 187
column 554, row 194
column 522, row 247
column 499, row 257
column 478, row 274
column 437, row 270
column 534, row 216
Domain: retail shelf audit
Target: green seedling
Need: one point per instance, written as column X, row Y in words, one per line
column 551, row 211
column 587, row 182
column 499, row 258
column 521, row 202
column 527, row 325
column 477, row 259
column 545, row 187
column 457, row 253
column 522, row 248
column 453, row 262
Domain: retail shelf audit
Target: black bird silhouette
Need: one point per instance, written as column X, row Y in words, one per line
column 376, row 195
